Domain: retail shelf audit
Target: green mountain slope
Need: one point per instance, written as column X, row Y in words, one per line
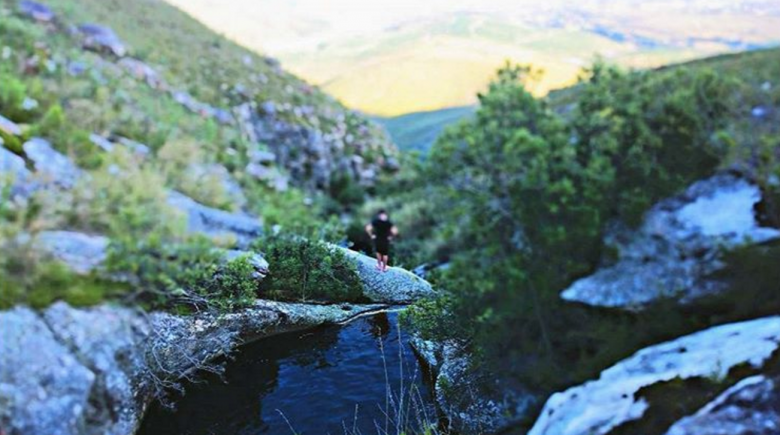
column 119, row 118
column 418, row 131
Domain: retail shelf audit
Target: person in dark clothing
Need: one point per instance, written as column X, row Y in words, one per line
column 382, row 231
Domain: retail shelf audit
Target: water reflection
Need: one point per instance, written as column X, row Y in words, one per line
column 315, row 379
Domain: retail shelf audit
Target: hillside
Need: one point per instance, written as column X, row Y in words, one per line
column 418, row 131
column 388, row 59
column 200, row 71
column 131, row 122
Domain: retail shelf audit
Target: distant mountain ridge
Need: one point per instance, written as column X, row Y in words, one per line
column 388, row 59
column 418, row 131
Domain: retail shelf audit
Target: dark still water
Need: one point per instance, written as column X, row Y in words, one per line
column 321, row 381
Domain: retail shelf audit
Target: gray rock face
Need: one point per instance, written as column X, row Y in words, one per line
column 82, row 253
column 43, row 388
column 9, row 127
column 94, row 371
column 102, row 142
column 107, row 340
column 36, row 11
column 14, row 173
column 751, row 407
column 216, row 223
column 397, row 286
column 137, row 148
column 473, row 401
column 679, row 244
column 102, row 39
column 52, row 165
column 598, row 406
column 311, row 156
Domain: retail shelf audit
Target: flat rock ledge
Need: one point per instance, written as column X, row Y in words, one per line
column 396, row 286
column 751, row 407
column 95, row 370
column 679, row 244
column 598, row 406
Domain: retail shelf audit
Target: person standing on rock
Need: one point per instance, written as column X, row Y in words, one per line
column 382, row 231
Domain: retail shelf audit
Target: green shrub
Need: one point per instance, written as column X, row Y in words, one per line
column 185, row 274
column 12, row 95
column 235, row 285
column 525, row 195
column 307, row 270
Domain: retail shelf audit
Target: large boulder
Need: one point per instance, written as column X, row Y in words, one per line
column 36, row 11
column 678, row 246
column 598, row 406
column 14, row 174
column 44, row 389
column 53, row 166
column 216, row 223
column 82, row 253
column 102, row 39
column 751, row 407
column 396, row 286
column 107, row 340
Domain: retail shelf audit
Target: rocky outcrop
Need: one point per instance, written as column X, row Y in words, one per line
column 751, row 407
column 473, row 401
column 44, row 389
column 82, row 253
column 94, row 371
column 53, row 166
column 107, row 340
column 216, row 223
column 678, row 246
column 14, row 174
column 101, row 39
column 314, row 157
column 36, row 11
column 107, row 145
column 396, row 286
column 597, row 407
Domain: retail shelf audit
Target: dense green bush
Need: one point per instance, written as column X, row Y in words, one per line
column 186, row 274
column 308, row 270
column 649, row 134
column 524, row 196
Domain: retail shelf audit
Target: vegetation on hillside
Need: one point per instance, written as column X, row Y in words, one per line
column 79, row 100
column 519, row 197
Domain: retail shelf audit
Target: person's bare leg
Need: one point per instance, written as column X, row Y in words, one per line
column 379, row 265
column 385, row 260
